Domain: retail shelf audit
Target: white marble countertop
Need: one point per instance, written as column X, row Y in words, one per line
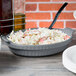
column 12, row 65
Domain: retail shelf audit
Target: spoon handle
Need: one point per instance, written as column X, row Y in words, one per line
column 58, row 13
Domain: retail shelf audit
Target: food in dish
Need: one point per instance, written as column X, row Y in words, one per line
column 40, row 36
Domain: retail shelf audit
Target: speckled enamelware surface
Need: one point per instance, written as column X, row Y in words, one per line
column 39, row 50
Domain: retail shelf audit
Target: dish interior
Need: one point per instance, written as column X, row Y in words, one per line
column 71, row 54
column 40, row 36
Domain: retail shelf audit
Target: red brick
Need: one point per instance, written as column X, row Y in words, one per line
column 71, row 6
column 37, row 0
column 71, row 24
column 56, row 25
column 44, row 24
column 30, row 7
column 31, row 25
column 37, row 16
column 64, row 0
column 47, row 7
column 64, row 16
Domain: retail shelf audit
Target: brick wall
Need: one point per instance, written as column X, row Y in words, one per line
column 41, row 13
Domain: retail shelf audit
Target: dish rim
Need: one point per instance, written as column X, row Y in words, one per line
column 21, row 45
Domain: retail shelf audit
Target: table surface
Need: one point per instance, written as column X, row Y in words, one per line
column 12, row 65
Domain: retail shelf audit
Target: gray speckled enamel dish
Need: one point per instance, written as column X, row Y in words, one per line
column 39, row 50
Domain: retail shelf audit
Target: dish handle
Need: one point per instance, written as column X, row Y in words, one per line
column 4, row 38
column 69, row 30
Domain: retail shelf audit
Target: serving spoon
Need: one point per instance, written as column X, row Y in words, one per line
column 57, row 15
